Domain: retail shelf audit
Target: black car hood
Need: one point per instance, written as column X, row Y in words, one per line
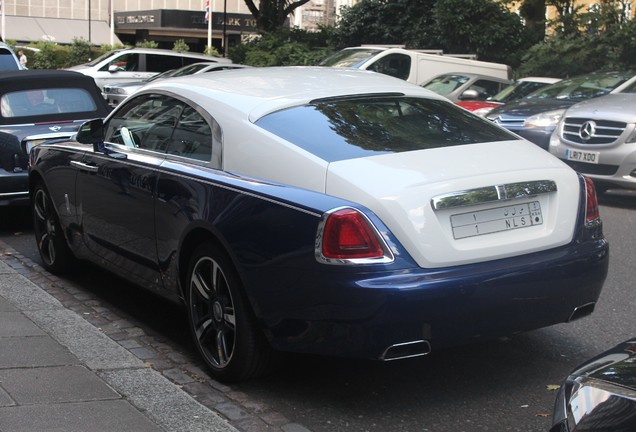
column 616, row 366
column 528, row 107
column 600, row 395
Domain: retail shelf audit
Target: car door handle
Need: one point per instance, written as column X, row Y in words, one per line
column 85, row 167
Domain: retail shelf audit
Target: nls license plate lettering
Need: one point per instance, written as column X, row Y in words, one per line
column 497, row 219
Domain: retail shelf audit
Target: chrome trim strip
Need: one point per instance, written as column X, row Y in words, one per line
column 426, row 344
column 493, row 193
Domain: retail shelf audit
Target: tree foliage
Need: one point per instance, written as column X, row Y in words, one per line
column 583, row 41
column 283, row 48
column 481, row 27
column 80, row 51
column 270, row 15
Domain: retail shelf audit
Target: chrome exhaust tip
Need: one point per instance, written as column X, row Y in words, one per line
column 581, row 311
column 406, row 350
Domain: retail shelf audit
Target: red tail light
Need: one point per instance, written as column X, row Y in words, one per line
column 348, row 235
column 592, row 214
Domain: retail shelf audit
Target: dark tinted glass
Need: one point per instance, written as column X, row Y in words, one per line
column 7, row 61
column 339, row 129
column 162, row 63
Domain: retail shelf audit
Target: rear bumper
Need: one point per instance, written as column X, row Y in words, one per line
column 444, row 307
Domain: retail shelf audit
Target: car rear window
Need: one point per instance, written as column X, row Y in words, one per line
column 35, row 102
column 349, row 128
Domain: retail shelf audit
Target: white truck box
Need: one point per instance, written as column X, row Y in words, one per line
column 414, row 66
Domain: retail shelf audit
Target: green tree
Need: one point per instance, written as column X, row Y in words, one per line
column 282, row 48
column 533, row 14
column 80, row 51
column 49, row 56
column 584, row 41
column 481, row 27
column 400, row 22
column 271, row 15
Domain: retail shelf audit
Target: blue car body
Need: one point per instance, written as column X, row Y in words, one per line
column 148, row 213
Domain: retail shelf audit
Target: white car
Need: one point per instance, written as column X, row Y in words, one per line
column 116, row 93
column 138, row 64
column 318, row 210
column 597, row 138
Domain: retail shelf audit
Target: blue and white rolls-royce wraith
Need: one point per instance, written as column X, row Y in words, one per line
column 319, row 210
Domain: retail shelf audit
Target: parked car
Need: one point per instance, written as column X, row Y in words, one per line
column 115, row 93
column 536, row 115
column 138, row 64
column 41, row 104
column 321, row 210
column 597, row 137
column 8, row 60
column 519, row 89
column 600, row 394
column 466, row 86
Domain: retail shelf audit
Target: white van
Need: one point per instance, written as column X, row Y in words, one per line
column 414, row 66
column 137, row 64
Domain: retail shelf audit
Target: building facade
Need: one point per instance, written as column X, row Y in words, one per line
column 127, row 21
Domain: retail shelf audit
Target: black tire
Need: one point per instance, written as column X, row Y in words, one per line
column 221, row 321
column 54, row 251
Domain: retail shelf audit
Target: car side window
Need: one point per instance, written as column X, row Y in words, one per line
column 162, row 63
column 125, row 62
column 486, row 88
column 193, row 137
column 395, row 65
column 164, row 124
column 147, row 122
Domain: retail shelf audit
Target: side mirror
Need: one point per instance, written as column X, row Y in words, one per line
column 92, row 132
column 470, row 94
column 114, row 68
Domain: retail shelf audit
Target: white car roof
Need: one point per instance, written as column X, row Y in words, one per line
column 259, row 91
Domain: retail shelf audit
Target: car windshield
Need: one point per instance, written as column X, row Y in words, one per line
column 446, row 84
column 36, row 102
column 517, row 91
column 101, row 57
column 581, row 88
column 348, row 128
column 350, row 58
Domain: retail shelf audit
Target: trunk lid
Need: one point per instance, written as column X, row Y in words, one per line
column 465, row 204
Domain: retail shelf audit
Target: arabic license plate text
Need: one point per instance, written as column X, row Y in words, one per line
column 498, row 219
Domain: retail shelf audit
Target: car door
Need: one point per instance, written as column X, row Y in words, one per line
column 117, row 187
column 126, row 67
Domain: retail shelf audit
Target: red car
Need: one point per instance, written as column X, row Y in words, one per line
column 519, row 89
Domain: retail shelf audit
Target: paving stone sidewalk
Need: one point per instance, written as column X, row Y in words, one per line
column 155, row 381
column 58, row 372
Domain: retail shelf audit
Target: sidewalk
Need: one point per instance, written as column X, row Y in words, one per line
column 58, row 372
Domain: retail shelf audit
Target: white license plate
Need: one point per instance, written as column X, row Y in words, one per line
column 582, row 156
column 494, row 220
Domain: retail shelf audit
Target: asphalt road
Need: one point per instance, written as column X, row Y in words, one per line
column 504, row 385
